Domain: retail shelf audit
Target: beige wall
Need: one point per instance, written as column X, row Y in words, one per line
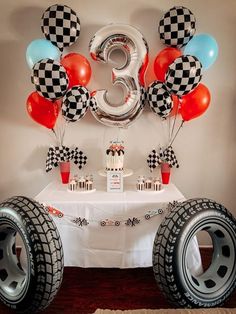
column 206, row 146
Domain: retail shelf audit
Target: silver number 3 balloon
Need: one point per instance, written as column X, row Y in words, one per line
column 130, row 75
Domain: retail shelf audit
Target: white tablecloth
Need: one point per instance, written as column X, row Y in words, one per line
column 110, row 246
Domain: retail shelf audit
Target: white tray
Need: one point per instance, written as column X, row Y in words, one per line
column 150, row 192
column 126, row 172
column 82, row 191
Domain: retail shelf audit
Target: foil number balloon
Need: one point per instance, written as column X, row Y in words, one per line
column 130, row 75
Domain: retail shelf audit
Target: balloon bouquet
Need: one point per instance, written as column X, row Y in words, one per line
column 60, row 81
column 178, row 69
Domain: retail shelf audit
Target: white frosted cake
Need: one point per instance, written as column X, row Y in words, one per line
column 115, row 157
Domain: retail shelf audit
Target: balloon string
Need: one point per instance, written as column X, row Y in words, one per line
column 172, row 141
column 54, row 132
column 173, row 126
column 64, row 131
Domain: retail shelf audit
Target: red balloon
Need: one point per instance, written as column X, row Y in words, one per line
column 175, row 109
column 195, row 103
column 42, row 110
column 78, row 69
column 163, row 60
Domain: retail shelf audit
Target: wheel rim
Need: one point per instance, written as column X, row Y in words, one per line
column 14, row 274
column 220, row 274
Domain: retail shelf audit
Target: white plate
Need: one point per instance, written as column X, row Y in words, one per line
column 126, row 172
column 82, row 191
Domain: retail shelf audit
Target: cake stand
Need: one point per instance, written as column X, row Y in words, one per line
column 126, row 173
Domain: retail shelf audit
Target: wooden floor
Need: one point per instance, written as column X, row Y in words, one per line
column 85, row 290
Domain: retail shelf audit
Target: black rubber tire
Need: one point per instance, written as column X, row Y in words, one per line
column 44, row 255
column 217, row 283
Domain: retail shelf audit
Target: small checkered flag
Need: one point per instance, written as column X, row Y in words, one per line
column 183, row 75
column 75, row 103
column 159, row 99
column 167, row 155
column 60, row 25
column 177, row 27
column 50, row 79
column 57, row 154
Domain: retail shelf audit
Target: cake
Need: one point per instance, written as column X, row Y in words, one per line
column 115, row 157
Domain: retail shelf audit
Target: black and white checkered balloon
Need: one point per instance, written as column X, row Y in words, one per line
column 50, row 79
column 75, row 103
column 60, row 25
column 177, row 27
column 183, row 75
column 159, row 99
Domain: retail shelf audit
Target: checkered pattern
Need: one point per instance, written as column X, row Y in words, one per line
column 153, row 160
column 167, row 155
column 183, row 75
column 159, row 99
column 79, row 158
column 93, row 104
column 75, row 103
column 60, row 25
column 50, row 79
column 177, row 27
column 143, row 96
column 59, row 154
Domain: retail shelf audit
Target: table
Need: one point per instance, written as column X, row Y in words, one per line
column 123, row 246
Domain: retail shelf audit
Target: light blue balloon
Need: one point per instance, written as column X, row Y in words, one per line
column 204, row 47
column 40, row 49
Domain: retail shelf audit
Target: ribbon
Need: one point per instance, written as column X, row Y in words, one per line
column 167, row 155
column 57, row 154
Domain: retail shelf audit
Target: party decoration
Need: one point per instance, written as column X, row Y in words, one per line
column 77, row 68
column 163, row 60
column 60, row 25
column 195, row 103
column 204, row 47
column 40, row 49
column 80, row 222
column 131, row 222
column 42, row 111
column 177, row 27
column 165, row 155
column 75, row 103
column 183, row 75
column 58, row 154
column 130, row 75
column 159, row 99
column 50, row 79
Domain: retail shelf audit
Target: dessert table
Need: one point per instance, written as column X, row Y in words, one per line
column 126, row 241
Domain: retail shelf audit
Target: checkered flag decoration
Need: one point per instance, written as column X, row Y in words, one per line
column 183, row 75
column 75, row 103
column 167, row 155
column 50, row 79
column 60, row 25
column 57, row 154
column 177, row 27
column 159, row 99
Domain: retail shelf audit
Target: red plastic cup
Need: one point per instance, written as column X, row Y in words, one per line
column 65, row 171
column 165, row 173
